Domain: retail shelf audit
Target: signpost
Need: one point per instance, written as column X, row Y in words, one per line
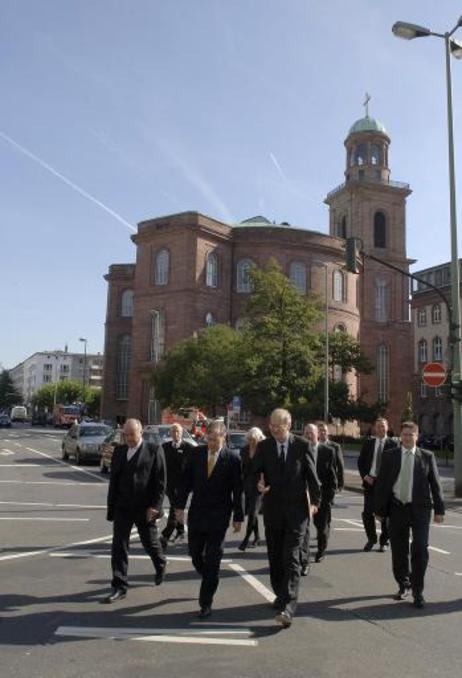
column 434, row 374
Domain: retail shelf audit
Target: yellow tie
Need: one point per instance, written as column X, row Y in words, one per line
column 211, row 463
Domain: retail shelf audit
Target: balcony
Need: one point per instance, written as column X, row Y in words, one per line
column 368, row 180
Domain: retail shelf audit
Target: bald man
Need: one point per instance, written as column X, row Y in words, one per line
column 135, row 497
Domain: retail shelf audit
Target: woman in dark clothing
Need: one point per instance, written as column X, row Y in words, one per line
column 253, row 498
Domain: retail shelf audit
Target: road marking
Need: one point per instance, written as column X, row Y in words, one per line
column 51, row 482
column 98, row 540
column 350, row 521
column 348, row 529
column 151, row 635
column 42, row 503
column 18, row 464
column 17, row 444
column 458, row 574
column 253, row 581
column 6, row 452
column 62, row 520
column 80, row 554
column 63, row 463
column 433, row 548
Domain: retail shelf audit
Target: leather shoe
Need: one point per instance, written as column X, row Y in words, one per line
column 243, row 545
column 205, row 612
column 160, row 576
column 419, row 600
column 383, row 548
column 369, row 545
column 284, row 618
column 402, row 593
column 305, row 571
column 179, row 537
column 114, row 596
column 277, row 605
column 163, row 542
column 319, row 557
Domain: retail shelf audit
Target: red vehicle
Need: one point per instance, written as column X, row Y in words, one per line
column 191, row 418
column 65, row 415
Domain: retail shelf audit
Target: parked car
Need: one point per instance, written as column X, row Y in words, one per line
column 5, row 421
column 83, row 441
column 236, row 439
column 40, row 419
column 111, row 441
column 160, row 433
column 18, row 413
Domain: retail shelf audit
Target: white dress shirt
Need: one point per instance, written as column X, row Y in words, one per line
column 379, row 442
column 133, row 450
column 397, row 486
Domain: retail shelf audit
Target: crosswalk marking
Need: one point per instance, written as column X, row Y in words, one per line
column 189, row 636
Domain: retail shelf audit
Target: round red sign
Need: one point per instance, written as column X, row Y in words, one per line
column 434, row 374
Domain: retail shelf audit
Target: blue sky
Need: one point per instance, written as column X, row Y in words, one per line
column 116, row 111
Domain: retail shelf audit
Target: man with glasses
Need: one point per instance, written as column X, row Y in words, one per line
column 291, row 490
column 213, row 475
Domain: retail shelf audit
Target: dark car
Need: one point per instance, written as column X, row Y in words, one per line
column 40, row 419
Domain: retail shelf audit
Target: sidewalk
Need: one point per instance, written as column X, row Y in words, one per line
column 354, row 484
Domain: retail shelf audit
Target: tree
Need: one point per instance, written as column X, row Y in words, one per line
column 93, row 401
column 409, row 413
column 9, row 396
column 345, row 351
column 67, row 392
column 202, row 371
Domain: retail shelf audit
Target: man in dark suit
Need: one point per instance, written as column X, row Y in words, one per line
column 176, row 452
column 324, row 458
column 323, row 435
column 289, row 486
column 213, row 475
column 407, row 485
column 370, row 458
column 135, row 497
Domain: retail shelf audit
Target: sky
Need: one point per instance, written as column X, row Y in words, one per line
column 117, row 111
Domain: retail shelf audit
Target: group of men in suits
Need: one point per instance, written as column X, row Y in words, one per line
column 297, row 477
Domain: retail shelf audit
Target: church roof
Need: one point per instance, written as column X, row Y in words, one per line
column 367, row 124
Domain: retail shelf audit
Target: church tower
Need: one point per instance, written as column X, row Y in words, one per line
column 370, row 206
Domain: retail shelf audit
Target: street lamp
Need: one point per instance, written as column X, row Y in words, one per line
column 408, row 31
column 318, row 262
column 85, row 341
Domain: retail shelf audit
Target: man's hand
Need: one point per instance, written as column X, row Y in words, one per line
column 237, row 527
column 179, row 515
column 438, row 518
column 261, row 487
column 313, row 509
column 376, row 515
column 151, row 514
column 370, row 480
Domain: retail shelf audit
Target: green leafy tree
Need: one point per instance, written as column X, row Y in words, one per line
column 67, row 392
column 9, row 396
column 93, row 401
column 345, row 351
column 408, row 413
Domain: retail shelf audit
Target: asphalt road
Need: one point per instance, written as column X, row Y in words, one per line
column 55, row 569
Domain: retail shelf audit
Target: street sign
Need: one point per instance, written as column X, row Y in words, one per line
column 236, row 404
column 434, row 374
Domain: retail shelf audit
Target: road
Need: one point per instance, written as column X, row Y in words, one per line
column 55, row 569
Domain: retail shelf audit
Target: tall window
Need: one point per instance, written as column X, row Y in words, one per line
column 423, row 356
column 422, row 317
column 126, row 306
column 361, row 154
column 243, row 283
column 154, row 410
column 380, row 230
column 339, row 286
column 123, row 366
column 209, row 319
column 423, row 390
column 376, row 155
column 211, row 270
column 157, row 347
column 436, row 314
column 382, row 373
column 382, row 297
column 161, row 266
column 341, row 228
column 298, row 276
column 437, row 346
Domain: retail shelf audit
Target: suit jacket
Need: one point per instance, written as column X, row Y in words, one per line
column 215, row 498
column 149, row 478
column 293, row 484
column 325, row 468
column 426, row 486
column 366, row 454
column 339, row 463
column 175, row 459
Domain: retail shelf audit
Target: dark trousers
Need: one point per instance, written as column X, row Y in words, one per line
column 172, row 522
column 206, row 551
column 369, row 518
column 305, row 547
column 253, row 505
column 322, row 520
column 123, row 522
column 284, row 548
column 406, row 520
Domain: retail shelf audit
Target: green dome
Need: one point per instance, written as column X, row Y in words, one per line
column 367, row 125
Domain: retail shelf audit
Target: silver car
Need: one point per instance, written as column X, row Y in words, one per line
column 83, row 441
column 160, row 433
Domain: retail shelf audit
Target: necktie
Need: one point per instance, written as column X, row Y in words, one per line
column 211, row 463
column 282, row 453
column 379, row 456
column 405, row 478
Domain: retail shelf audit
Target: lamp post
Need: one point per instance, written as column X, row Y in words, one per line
column 409, row 32
column 318, row 262
column 84, row 366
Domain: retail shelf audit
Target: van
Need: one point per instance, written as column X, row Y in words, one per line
column 18, row 413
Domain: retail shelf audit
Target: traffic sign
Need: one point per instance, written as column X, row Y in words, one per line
column 434, row 374
column 236, row 404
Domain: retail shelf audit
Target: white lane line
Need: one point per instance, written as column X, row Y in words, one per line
column 63, row 463
column 50, row 482
column 356, row 523
column 349, row 529
column 81, row 554
column 61, row 520
column 6, row 451
column 43, row 503
column 17, row 444
column 438, row 526
column 150, row 635
column 433, row 548
column 19, row 465
column 52, row 549
column 253, row 581
column 458, row 574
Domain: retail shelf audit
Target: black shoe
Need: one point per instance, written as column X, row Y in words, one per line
column 277, row 605
column 163, row 542
column 402, row 592
column 305, row 571
column 419, row 600
column 284, row 618
column 160, row 575
column 256, row 542
column 369, row 545
column 243, row 545
column 179, row 537
column 319, row 557
column 383, row 548
column 114, row 596
column 205, row 612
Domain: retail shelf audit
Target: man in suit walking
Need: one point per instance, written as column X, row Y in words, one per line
column 323, row 436
column 324, row 458
column 176, row 452
column 213, row 475
column 135, row 497
column 289, row 484
column 407, row 485
column 370, row 458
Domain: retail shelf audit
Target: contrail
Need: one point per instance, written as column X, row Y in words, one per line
column 278, row 166
column 67, row 181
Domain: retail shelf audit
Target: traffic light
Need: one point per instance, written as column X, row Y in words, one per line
column 456, row 390
column 353, row 259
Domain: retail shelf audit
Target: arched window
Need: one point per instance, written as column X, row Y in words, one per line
column 340, row 328
column 154, row 409
column 123, row 366
column 298, row 276
column 338, row 286
column 436, row 314
column 126, row 306
column 157, row 344
column 382, row 373
column 380, row 230
column 243, row 282
column 422, row 317
column 437, row 346
column 376, row 155
column 211, row 270
column 161, row 266
column 382, row 297
column 361, row 154
column 341, row 228
column 209, row 319
column 423, row 355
